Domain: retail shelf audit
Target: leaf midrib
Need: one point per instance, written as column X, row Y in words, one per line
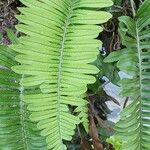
column 22, row 114
column 60, row 65
column 140, row 79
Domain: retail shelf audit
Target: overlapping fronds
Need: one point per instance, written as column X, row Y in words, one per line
column 17, row 132
column 134, row 125
column 56, row 54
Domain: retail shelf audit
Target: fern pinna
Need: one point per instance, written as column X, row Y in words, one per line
column 134, row 125
column 55, row 55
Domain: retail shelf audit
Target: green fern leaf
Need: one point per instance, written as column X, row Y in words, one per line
column 133, row 126
column 12, row 37
column 17, row 132
column 56, row 54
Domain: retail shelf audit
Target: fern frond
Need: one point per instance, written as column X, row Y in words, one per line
column 17, row 132
column 134, row 125
column 56, row 54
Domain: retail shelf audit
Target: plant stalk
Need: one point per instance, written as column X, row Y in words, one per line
column 133, row 7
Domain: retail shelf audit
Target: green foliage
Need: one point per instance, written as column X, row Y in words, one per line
column 105, row 69
column 43, row 98
column 12, row 36
column 117, row 142
column 117, row 2
column 133, row 127
column 55, row 55
column 106, row 132
column 16, row 130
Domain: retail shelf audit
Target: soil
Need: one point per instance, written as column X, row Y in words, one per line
column 8, row 10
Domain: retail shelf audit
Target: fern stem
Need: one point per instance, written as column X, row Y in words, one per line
column 22, row 114
column 140, row 79
column 60, row 66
